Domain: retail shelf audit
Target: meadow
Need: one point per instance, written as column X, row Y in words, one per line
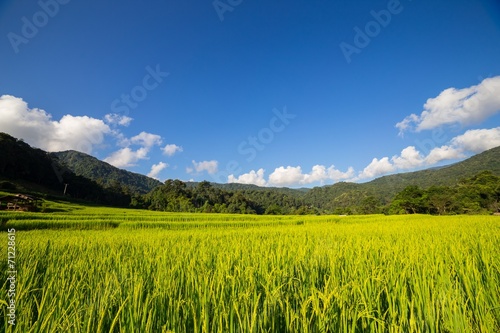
column 91, row 269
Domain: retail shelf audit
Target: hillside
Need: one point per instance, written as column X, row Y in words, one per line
column 384, row 188
column 104, row 173
column 31, row 170
column 97, row 181
column 250, row 187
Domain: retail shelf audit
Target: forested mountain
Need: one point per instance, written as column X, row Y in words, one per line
column 34, row 170
column 470, row 186
column 249, row 187
column 342, row 194
column 383, row 189
column 104, row 173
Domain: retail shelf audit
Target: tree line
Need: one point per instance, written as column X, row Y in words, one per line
column 22, row 166
column 479, row 194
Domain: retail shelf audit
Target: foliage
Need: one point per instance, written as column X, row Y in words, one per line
column 460, row 188
column 104, row 173
column 34, row 168
column 385, row 188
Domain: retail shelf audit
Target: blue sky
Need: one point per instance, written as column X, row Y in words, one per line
column 281, row 93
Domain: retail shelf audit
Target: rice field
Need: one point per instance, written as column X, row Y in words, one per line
column 112, row 270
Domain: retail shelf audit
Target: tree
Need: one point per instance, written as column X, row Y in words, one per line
column 439, row 199
column 273, row 209
column 409, row 201
column 370, row 205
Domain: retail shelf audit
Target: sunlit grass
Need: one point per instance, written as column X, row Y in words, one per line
column 154, row 272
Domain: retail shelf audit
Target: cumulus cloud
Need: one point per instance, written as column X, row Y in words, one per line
column 146, row 139
column 408, row 159
column 478, row 140
column 116, row 119
column 156, row 169
column 127, row 157
column 471, row 142
column 376, row 168
column 37, row 127
column 457, row 106
column 171, row 149
column 286, row 176
column 292, row 176
column 253, row 177
column 209, row 166
column 443, row 153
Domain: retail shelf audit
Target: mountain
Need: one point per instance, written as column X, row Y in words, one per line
column 328, row 197
column 31, row 170
column 97, row 181
column 20, row 162
column 104, row 173
column 384, row 188
column 250, row 187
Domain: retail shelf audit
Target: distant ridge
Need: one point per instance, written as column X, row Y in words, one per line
column 386, row 187
column 21, row 162
column 383, row 188
column 104, row 173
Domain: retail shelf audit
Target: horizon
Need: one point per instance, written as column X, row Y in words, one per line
column 292, row 188
column 293, row 95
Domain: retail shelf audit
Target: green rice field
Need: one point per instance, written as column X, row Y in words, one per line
column 89, row 269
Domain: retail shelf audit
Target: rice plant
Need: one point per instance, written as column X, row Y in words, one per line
column 196, row 273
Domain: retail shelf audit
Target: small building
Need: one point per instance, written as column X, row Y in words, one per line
column 19, row 202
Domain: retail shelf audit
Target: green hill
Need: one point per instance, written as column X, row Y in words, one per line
column 97, row 181
column 31, row 170
column 104, row 173
column 386, row 187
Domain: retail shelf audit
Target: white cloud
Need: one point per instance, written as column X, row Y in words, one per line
column 443, row 153
column 321, row 173
column 116, row 119
column 472, row 141
column 146, row 139
column 478, row 140
column 376, row 168
column 457, row 106
column 286, row 176
column 208, row 166
column 156, row 169
column 37, row 128
column 292, row 176
column 408, row 159
column 127, row 157
column 253, row 177
column 171, row 149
